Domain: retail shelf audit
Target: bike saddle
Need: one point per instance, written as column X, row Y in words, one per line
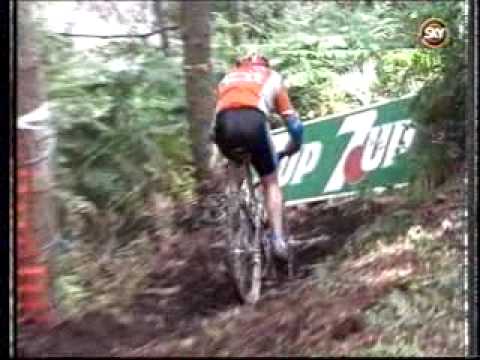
column 239, row 154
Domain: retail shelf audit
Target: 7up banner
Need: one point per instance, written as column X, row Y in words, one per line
column 344, row 153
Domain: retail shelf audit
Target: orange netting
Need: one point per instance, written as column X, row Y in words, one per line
column 32, row 275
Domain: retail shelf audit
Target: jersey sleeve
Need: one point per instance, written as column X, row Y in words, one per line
column 282, row 103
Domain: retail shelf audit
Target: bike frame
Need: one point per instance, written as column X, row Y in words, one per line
column 253, row 208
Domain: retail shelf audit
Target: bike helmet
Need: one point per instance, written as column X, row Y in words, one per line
column 253, row 59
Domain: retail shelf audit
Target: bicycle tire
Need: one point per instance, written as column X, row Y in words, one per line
column 243, row 239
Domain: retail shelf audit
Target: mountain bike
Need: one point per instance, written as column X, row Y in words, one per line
column 249, row 256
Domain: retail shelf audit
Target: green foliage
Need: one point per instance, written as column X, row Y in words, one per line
column 317, row 45
column 439, row 109
column 111, row 130
column 395, row 75
column 119, row 113
column 399, row 349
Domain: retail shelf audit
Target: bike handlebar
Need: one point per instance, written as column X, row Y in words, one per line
column 283, row 153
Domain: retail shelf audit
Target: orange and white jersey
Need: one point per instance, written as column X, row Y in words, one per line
column 254, row 86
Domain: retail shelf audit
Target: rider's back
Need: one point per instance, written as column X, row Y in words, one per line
column 251, row 86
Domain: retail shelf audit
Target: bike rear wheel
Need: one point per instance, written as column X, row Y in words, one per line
column 243, row 244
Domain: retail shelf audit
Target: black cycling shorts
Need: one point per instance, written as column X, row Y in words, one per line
column 246, row 129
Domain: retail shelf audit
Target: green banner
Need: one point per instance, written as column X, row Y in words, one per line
column 344, row 153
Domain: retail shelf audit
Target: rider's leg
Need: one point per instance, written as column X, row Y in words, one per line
column 273, row 202
column 274, row 207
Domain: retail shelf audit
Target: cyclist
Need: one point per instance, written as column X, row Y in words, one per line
column 246, row 96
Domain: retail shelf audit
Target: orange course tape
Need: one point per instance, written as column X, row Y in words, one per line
column 32, row 278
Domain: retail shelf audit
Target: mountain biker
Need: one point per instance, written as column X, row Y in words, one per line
column 246, row 96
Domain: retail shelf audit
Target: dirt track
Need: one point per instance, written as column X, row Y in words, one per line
column 190, row 308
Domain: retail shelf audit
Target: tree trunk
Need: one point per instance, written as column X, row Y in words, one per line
column 161, row 21
column 30, row 93
column 199, row 84
column 234, row 17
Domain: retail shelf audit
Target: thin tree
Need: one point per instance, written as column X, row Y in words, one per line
column 234, row 16
column 161, row 19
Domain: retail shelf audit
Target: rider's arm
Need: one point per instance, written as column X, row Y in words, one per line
column 292, row 121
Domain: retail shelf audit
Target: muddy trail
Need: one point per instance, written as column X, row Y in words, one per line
column 189, row 306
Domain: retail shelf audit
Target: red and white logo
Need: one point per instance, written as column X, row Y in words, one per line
column 370, row 147
column 433, row 33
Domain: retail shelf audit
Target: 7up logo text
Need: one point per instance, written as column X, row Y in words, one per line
column 370, row 147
